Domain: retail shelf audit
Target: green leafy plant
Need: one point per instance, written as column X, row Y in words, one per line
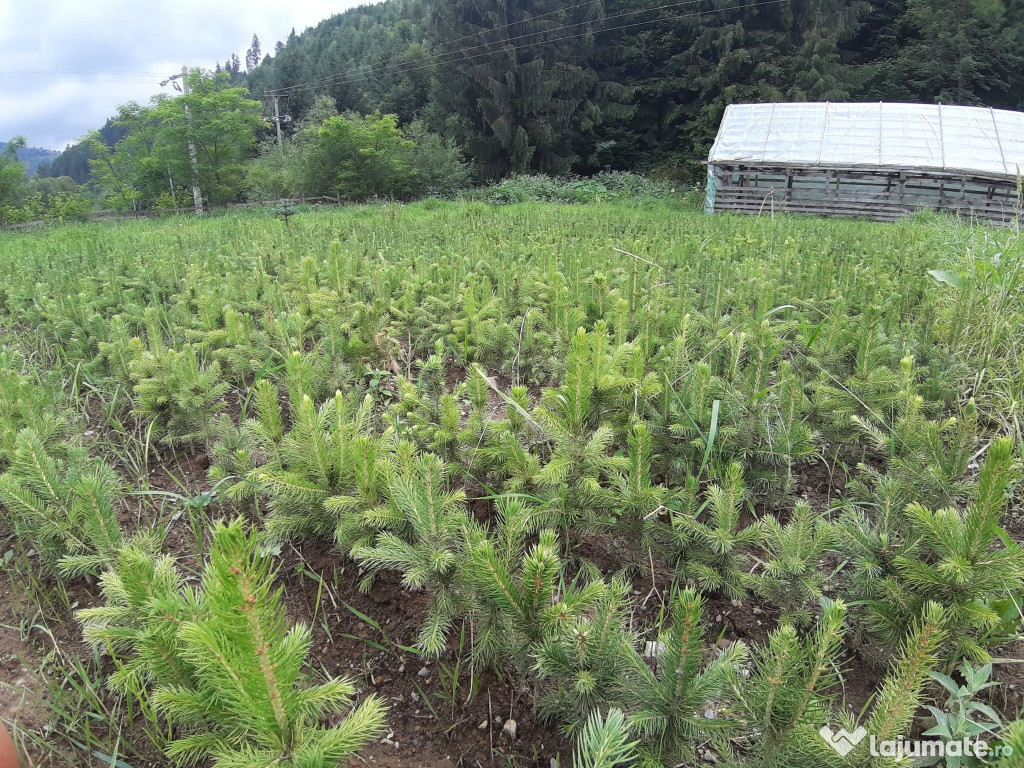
column 962, row 715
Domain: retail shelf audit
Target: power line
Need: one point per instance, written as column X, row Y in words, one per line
column 513, row 23
column 453, row 55
column 79, row 71
column 70, row 80
column 344, row 79
column 498, row 29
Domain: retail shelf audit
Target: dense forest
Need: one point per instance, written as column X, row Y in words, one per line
column 412, row 97
column 555, row 85
column 73, row 162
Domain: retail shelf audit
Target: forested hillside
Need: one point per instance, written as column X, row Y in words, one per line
column 73, row 162
column 407, row 98
column 33, row 157
column 555, row 85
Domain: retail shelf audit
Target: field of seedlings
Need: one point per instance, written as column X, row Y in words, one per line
column 470, row 484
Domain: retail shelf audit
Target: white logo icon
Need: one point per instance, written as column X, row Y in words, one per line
column 842, row 741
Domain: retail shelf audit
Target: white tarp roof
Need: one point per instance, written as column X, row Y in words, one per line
column 873, row 135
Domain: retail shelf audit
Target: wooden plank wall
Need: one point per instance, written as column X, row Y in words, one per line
column 880, row 194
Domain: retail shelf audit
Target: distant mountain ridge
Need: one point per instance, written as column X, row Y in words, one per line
column 33, row 156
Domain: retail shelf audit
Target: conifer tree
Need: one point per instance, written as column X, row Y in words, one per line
column 254, row 54
column 603, row 742
column 790, row 690
column 900, row 694
column 710, row 543
column 951, row 557
column 584, row 658
column 516, row 94
column 514, row 587
column 637, row 498
column 424, row 538
column 250, row 704
column 146, row 602
column 63, row 503
column 791, row 577
column 574, row 479
column 668, row 705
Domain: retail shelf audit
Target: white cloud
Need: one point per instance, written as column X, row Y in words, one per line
column 68, row 64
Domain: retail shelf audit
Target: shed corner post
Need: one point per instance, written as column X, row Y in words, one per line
column 709, row 191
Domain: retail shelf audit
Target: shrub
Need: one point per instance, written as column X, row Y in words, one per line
column 608, row 186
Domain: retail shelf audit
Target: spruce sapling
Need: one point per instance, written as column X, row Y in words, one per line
column 670, row 704
column 250, row 705
column 791, row 577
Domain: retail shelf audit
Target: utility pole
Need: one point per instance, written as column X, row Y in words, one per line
column 197, row 195
column 277, row 122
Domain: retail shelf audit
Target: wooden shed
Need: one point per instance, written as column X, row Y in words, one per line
column 879, row 161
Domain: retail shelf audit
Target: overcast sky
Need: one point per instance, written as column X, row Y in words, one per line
column 65, row 65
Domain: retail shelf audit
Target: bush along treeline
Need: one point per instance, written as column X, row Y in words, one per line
column 357, row 157
column 28, row 198
column 531, row 432
column 349, row 157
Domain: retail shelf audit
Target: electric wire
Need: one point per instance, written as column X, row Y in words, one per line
column 345, row 79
